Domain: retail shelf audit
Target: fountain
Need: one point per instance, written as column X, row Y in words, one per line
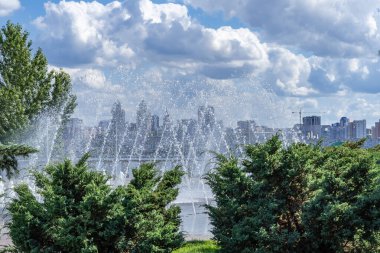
column 117, row 146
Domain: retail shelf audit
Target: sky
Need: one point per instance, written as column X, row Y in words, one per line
column 250, row 59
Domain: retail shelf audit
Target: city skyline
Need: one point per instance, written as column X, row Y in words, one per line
column 195, row 114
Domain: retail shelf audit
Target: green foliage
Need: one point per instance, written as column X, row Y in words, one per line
column 198, row 247
column 8, row 155
column 299, row 198
column 80, row 212
column 27, row 88
column 153, row 224
column 343, row 213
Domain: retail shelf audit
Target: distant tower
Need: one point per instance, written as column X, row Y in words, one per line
column 118, row 126
column 155, row 123
column 141, row 114
column 344, row 121
column 312, row 126
column 167, row 121
column 206, row 118
column 143, row 117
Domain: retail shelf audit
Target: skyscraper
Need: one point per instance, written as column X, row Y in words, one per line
column 206, row 118
column 117, row 127
column 155, row 123
column 143, row 117
column 359, row 129
column 311, row 127
column 376, row 131
column 246, row 130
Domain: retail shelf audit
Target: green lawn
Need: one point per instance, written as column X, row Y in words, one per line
column 198, row 247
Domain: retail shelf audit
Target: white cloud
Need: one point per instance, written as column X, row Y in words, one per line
column 91, row 34
column 173, row 58
column 113, row 34
column 80, row 33
column 291, row 72
column 8, row 6
column 342, row 28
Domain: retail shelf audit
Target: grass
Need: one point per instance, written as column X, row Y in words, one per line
column 198, row 247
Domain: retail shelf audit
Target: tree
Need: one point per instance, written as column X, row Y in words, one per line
column 153, row 223
column 299, row 198
column 343, row 213
column 80, row 212
column 27, row 89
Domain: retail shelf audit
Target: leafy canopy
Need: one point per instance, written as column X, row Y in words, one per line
column 27, row 89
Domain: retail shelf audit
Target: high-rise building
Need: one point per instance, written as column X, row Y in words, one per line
column 311, row 127
column 359, row 129
column 167, row 120
column 345, row 130
column 344, row 121
column 155, row 123
column 206, row 118
column 117, row 127
column 103, row 126
column 376, row 131
column 189, row 126
column 245, row 130
column 143, row 117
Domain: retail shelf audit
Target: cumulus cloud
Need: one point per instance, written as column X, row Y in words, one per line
column 141, row 32
column 87, row 33
column 336, row 75
column 8, row 6
column 296, row 49
column 80, row 33
column 343, row 28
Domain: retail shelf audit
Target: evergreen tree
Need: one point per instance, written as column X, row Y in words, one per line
column 343, row 214
column 80, row 212
column 27, row 89
column 153, row 224
column 299, row 198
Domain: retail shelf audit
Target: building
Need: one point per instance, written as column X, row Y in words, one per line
column 246, row 131
column 376, row 131
column 116, row 129
column 190, row 127
column 143, row 117
column 359, row 129
column 311, row 127
column 344, row 121
column 103, row 126
column 155, row 123
column 206, row 118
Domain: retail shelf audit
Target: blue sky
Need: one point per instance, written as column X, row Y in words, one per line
column 249, row 58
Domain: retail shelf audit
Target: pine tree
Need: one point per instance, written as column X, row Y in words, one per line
column 80, row 212
column 153, row 225
column 298, row 198
column 27, row 89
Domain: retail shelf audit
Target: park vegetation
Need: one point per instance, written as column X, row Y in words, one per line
column 78, row 211
column 297, row 198
column 28, row 90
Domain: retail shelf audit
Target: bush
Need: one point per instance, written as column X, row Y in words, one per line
column 80, row 212
column 299, row 198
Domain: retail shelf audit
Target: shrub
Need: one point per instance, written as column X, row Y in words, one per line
column 80, row 212
column 299, row 198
